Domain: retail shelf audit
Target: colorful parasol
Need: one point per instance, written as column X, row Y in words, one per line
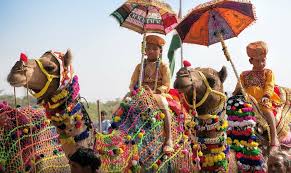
column 146, row 16
column 216, row 21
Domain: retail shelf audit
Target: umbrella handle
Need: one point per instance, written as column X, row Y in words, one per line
column 157, row 73
column 143, row 45
column 224, row 47
column 228, row 58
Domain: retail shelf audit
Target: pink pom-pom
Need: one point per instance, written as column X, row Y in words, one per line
column 23, row 57
column 186, row 63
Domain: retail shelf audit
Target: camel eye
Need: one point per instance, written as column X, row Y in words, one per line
column 50, row 67
column 211, row 82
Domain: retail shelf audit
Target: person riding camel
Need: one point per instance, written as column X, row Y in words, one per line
column 259, row 83
column 152, row 66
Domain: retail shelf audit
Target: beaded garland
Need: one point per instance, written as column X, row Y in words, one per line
column 212, row 152
column 241, row 135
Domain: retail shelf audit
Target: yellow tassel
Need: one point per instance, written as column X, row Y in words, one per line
column 162, row 115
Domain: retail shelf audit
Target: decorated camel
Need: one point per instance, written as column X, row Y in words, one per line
column 50, row 79
column 52, row 82
column 201, row 93
column 28, row 142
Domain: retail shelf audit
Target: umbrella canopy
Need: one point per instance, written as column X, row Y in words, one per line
column 227, row 17
column 217, row 21
column 146, row 16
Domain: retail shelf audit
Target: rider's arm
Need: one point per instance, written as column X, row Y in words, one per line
column 134, row 77
column 269, row 84
column 166, row 77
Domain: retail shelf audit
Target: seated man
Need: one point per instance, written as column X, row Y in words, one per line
column 153, row 66
column 84, row 160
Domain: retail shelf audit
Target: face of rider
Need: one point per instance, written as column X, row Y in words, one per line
column 153, row 51
column 258, row 63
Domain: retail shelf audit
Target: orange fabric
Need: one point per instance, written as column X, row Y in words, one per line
column 198, row 34
column 154, row 39
column 237, row 21
column 257, row 50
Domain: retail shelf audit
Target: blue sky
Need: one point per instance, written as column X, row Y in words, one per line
column 105, row 54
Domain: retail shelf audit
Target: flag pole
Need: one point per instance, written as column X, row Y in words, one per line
column 180, row 17
column 99, row 116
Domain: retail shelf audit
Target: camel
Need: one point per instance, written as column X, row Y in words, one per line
column 50, row 79
column 203, row 95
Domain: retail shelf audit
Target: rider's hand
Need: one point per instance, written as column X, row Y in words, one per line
column 158, row 91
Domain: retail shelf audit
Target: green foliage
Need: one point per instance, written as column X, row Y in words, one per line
column 109, row 106
column 19, row 101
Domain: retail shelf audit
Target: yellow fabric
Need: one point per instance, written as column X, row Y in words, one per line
column 258, row 91
column 149, row 76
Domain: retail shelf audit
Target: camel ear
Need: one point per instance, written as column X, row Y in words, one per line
column 222, row 74
column 68, row 58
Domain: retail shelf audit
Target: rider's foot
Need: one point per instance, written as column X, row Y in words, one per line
column 275, row 147
column 168, row 147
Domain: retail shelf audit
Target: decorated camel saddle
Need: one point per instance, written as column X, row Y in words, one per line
column 28, row 142
column 282, row 115
column 141, row 121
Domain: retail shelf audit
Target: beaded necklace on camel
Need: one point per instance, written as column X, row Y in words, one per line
column 67, row 105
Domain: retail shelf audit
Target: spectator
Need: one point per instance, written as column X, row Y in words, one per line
column 84, row 160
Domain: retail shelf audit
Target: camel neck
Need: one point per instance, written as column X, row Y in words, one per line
column 64, row 102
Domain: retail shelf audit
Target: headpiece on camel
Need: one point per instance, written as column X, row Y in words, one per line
column 66, row 73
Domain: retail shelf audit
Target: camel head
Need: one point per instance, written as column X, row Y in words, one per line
column 193, row 83
column 43, row 76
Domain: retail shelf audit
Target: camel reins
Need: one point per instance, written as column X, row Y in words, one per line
column 208, row 91
column 49, row 77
